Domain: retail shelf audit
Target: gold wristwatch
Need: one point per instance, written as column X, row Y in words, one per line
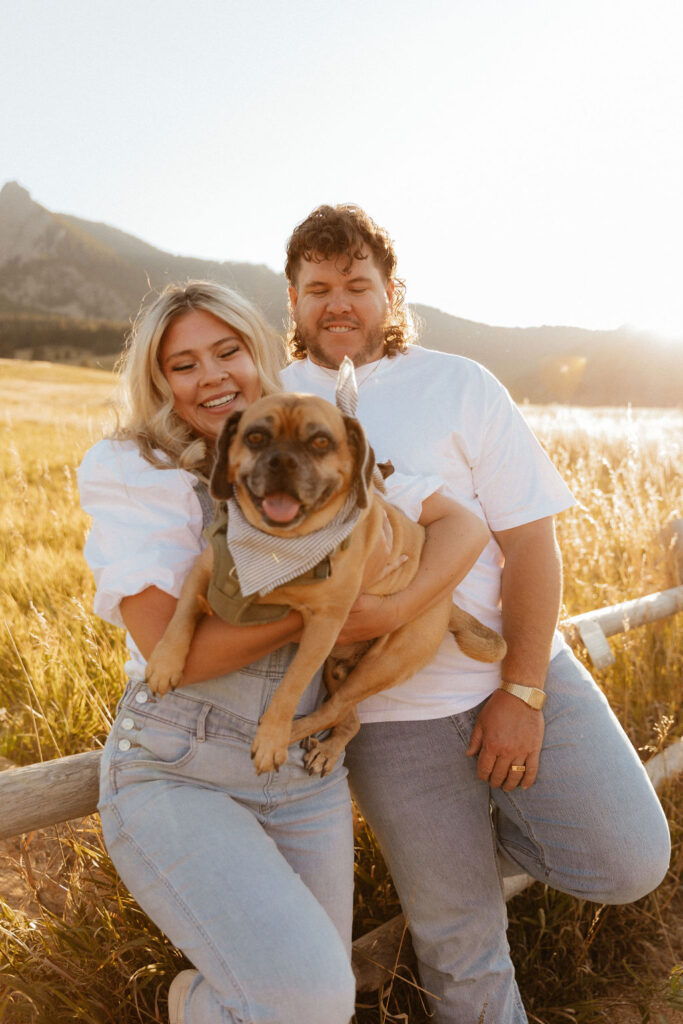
column 531, row 695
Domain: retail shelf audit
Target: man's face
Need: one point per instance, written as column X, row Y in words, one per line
column 341, row 311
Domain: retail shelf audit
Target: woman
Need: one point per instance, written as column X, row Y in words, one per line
column 250, row 876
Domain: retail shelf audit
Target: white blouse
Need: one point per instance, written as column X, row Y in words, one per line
column 147, row 526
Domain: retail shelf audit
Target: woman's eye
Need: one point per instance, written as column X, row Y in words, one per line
column 227, row 353
column 182, row 366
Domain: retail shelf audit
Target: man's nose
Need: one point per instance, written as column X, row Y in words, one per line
column 338, row 301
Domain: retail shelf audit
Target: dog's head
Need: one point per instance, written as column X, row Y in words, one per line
column 291, row 461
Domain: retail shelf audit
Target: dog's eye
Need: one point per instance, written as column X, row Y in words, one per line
column 256, row 438
column 320, row 443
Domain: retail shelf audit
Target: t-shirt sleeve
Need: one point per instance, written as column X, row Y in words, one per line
column 146, row 525
column 408, row 492
column 515, row 480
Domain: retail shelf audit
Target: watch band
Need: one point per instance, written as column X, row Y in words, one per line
column 531, row 695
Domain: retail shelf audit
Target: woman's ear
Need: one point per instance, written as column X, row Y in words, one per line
column 219, row 484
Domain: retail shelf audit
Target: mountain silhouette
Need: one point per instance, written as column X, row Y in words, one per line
column 71, row 286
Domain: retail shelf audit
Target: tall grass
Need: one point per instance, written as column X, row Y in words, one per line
column 79, row 948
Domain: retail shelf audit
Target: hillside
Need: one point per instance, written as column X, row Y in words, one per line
column 70, row 286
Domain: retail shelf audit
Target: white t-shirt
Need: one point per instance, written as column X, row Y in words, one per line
column 443, row 415
column 147, row 526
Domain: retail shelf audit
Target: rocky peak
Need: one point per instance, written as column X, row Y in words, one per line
column 13, row 195
column 23, row 223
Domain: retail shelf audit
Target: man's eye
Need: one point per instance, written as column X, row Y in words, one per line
column 320, row 443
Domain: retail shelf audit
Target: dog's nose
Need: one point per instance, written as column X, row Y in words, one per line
column 282, row 461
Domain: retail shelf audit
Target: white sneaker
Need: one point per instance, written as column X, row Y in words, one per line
column 178, row 993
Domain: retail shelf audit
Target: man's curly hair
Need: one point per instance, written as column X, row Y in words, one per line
column 342, row 232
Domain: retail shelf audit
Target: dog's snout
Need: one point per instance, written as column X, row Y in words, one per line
column 282, row 460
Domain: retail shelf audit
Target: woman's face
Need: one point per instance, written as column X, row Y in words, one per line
column 209, row 369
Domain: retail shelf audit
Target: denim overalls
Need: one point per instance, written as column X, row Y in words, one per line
column 251, row 876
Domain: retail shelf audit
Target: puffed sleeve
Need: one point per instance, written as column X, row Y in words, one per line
column 408, row 492
column 146, row 524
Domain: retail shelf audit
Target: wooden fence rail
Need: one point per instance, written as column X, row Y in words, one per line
column 54, row 791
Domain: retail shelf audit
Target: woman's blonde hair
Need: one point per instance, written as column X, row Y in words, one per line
column 146, row 405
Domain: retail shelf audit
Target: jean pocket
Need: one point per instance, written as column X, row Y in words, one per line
column 155, row 743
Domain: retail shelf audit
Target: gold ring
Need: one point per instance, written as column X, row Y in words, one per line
column 517, row 767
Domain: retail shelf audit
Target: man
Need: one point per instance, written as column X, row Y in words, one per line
column 533, row 737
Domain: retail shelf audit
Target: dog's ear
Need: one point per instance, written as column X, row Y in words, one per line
column 219, row 485
column 364, row 459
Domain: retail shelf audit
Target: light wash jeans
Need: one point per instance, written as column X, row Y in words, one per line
column 251, row 876
column 591, row 825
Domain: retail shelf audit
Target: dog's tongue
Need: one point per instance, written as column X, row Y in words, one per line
column 281, row 507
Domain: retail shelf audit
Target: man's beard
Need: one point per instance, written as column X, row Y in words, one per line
column 372, row 348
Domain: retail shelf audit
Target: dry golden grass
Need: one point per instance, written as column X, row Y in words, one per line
column 78, row 947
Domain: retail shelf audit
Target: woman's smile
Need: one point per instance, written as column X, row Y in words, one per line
column 209, row 369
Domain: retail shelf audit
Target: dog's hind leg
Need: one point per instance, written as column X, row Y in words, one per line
column 322, row 755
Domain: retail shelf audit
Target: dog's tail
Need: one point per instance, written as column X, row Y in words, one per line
column 474, row 638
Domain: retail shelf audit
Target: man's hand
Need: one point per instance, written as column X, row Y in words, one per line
column 376, row 565
column 370, row 617
column 507, row 732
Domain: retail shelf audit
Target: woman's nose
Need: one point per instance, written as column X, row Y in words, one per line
column 213, row 371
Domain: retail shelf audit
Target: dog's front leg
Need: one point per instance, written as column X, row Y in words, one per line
column 269, row 749
column 165, row 665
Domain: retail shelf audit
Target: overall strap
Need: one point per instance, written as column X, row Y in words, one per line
column 206, row 502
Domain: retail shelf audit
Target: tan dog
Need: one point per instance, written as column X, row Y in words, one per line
column 292, row 462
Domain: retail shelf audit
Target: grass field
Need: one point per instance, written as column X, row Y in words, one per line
column 73, row 944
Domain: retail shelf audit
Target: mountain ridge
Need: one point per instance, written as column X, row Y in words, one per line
column 59, row 272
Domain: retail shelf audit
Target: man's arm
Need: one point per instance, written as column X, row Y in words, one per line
column 454, row 539
column 507, row 730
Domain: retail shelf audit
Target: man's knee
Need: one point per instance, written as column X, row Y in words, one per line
column 636, row 872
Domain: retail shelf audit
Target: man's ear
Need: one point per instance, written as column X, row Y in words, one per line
column 293, row 297
column 390, row 290
column 219, row 485
column 364, row 459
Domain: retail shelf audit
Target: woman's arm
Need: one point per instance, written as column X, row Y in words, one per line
column 217, row 648
column 455, row 538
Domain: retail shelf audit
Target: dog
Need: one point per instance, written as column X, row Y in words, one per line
column 296, row 467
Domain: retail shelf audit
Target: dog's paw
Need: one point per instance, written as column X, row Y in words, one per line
column 268, row 751
column 320, row 757
column 163, row 673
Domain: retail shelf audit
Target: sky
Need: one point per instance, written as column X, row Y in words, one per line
column 526, row 156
